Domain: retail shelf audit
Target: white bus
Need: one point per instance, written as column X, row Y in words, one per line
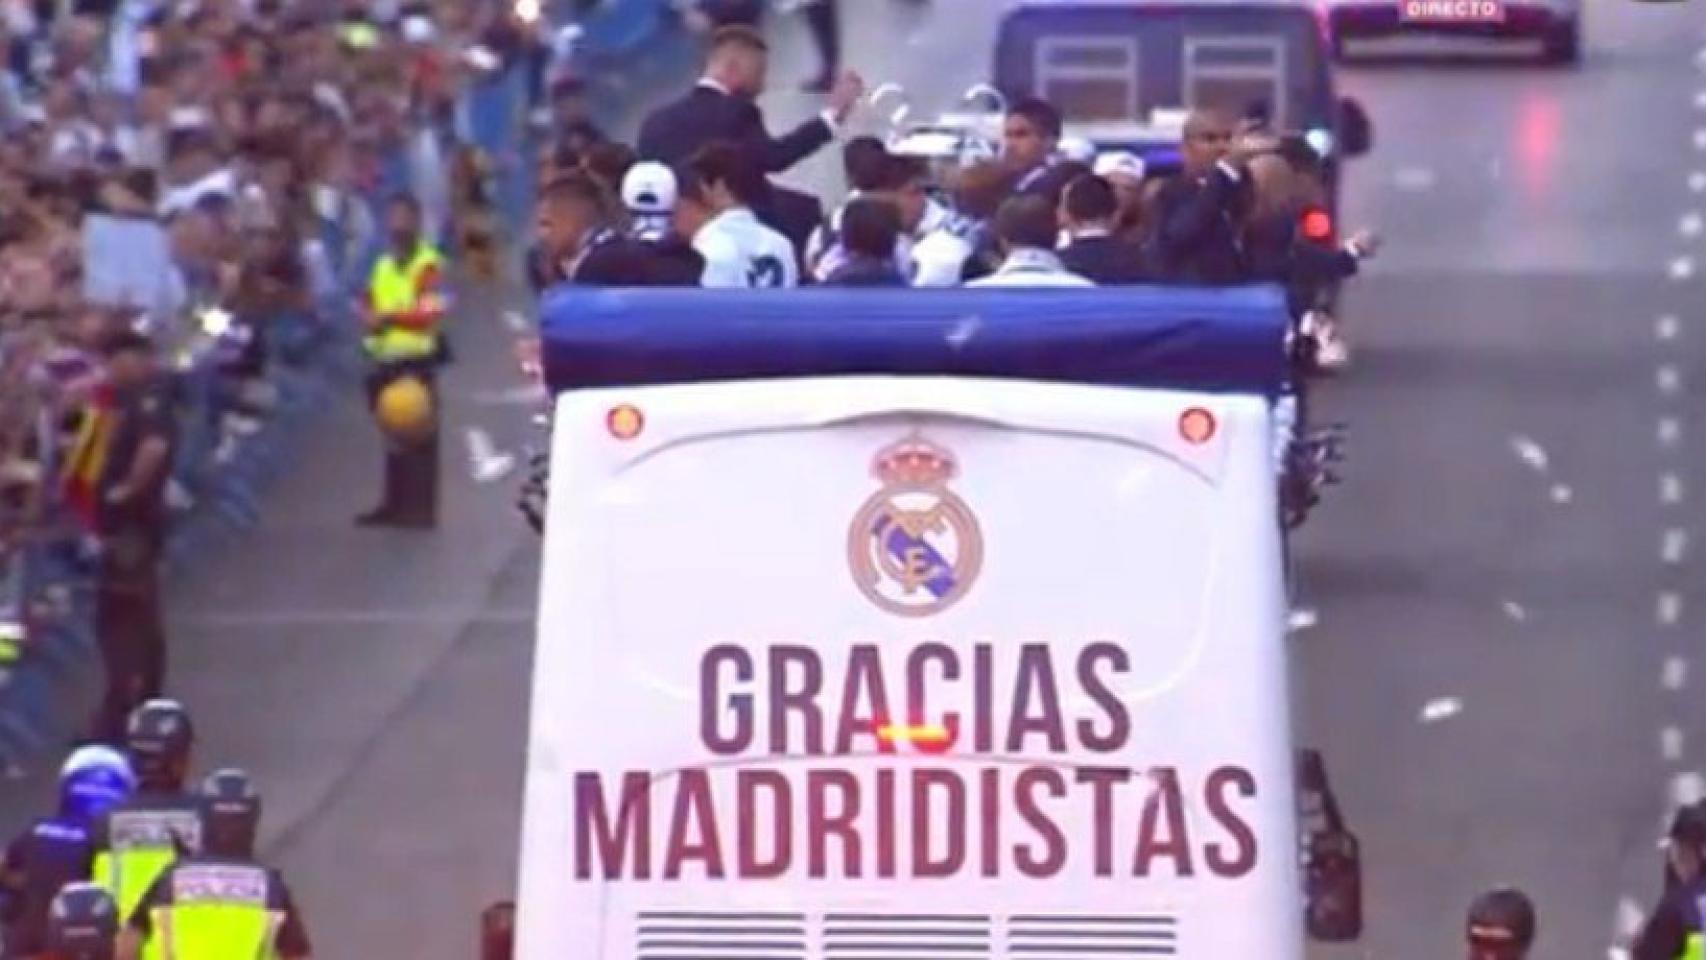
column 880, row 625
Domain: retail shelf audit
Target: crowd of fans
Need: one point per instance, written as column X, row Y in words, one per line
column 191, row 195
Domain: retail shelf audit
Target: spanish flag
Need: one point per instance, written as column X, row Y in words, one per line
column 87, row 458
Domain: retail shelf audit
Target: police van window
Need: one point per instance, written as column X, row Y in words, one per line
column 1089, row 78
column 1242, row 73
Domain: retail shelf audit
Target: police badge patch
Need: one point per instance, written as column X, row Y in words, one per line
column 915, row 548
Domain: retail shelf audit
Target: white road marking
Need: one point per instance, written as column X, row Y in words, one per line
column 1414, row 178
column 1700, row 100
column 1700, row 139
column 1515, row 611
column 1530, row 452
column 319, row 617
column 1670, row 431
column 1674, row 676
column 1670, row 743
column 1561, row 493
column 485, row 462
column 1441, row 708
column 1666, row 327
column 1668, row 378
column 527, row 395
column 1690, row 225
column 1697, row 182
column 1670, row 488
column 1687, row 788
column 1302, row 619
column 1681, row 268
column 1669, row 608
column 1673, row 545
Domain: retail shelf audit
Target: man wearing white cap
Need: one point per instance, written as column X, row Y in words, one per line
column 1125, row 171
column 650, row 193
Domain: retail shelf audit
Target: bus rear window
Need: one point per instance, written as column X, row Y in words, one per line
column 1090, row 78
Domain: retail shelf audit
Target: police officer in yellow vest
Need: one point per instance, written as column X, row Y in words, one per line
column 1674, row 930
column 404, row 316
column 135, row 841
column 219, row 904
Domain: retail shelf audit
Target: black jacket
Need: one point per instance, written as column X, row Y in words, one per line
column 794, row 215
column 672, row 133
column 1108, row 260
column 1196, row 238
column 1275, row 252
column 724, row 13
column 1666, row 932
column 866, row 272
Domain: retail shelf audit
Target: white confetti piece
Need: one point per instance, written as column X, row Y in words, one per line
column 1515, row 611
column 485, row 462
column 1681, row 268
column 1441, row 708
column 1302, row 619
column 1666, row 327
column 1561, row 493
column 1530, row 452
column 1690, row 225
column 1697, row 182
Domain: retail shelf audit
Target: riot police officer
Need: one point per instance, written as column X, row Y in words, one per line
column 221, row 902
column 1501, row 925
column 82, row 924
column 58, row 850
column 136, row 840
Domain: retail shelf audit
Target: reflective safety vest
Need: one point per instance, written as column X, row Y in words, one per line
column 135, row 844
column 406, row 288
column 1694, row 948
column 214, row 911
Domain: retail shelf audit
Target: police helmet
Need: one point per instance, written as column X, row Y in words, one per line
column 94, row 779
column 231, row 807
column 82, row 922
column 1501, row 923
column 160, row 735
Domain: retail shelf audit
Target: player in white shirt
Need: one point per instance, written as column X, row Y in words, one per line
column 1026, row 226
column 715, row 211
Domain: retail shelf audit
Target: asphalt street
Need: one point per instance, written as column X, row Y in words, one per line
column 1502, row 601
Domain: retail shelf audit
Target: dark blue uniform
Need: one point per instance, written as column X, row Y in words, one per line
column 53, row 852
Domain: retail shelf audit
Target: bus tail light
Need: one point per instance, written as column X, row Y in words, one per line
column 625, row 422
column 1197, row 426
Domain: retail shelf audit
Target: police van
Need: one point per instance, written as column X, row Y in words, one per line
column 883, row 625
column 1123, row 72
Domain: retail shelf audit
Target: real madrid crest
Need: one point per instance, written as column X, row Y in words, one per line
column 914, row 547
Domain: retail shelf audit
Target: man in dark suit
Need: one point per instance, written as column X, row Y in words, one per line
column 1030, row 144
column 723, row 106
column 823, row 20
column 1088, row 209
column 1196, row 237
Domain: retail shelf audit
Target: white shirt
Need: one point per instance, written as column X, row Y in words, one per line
column 741, row 252
column 1026, row 267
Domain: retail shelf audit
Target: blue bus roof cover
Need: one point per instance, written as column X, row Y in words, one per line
column 1208, row 340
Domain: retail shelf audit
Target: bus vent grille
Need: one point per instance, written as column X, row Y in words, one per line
column 906, row 936
column 1068, row 937
column 716, row 935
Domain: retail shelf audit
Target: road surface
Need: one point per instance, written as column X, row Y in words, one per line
column 1505, row 592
